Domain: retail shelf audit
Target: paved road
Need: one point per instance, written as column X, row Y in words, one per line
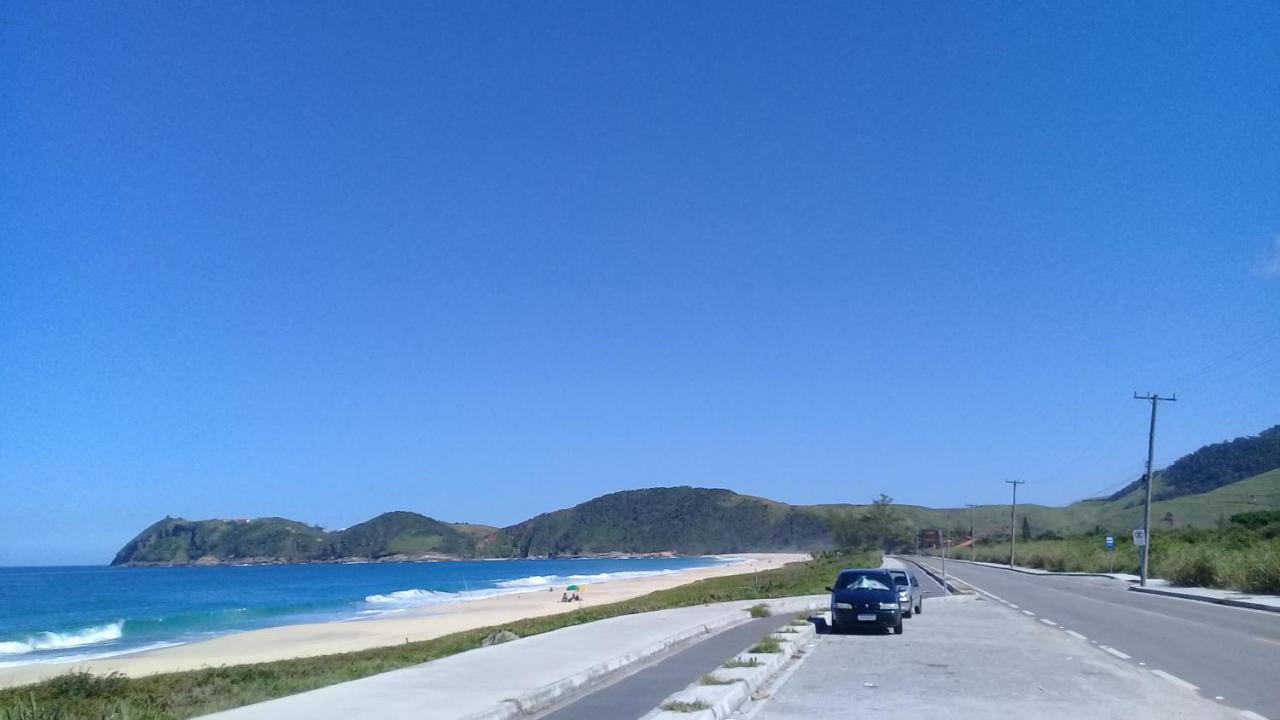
column 970, row 658
column 642, row 691
column 638, row 693
column 1232, row 653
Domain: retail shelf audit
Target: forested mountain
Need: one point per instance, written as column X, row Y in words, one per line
column 1213, row 466
column 682, row 519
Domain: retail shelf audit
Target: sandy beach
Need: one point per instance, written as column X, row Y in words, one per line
column 292, row 641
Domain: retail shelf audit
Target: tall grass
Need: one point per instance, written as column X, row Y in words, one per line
column 1233, row 558
column 83, row 696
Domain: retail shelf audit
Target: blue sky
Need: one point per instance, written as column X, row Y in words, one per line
column 480, row 261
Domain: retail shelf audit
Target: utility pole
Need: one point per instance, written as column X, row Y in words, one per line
column 1151, row 453
column 973, row 541
column 1013, row 517
column 942, row 534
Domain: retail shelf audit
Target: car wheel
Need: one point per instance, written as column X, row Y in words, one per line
column 897, row 629
column 920, row 608
column 906, row 614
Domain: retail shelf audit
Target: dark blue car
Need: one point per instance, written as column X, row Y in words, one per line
column 865, row 598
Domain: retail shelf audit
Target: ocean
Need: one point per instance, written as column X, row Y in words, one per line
column 70, row 614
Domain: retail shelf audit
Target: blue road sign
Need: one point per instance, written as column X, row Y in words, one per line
column 1111, row 542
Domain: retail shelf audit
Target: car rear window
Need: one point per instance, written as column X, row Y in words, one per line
column 862, row 581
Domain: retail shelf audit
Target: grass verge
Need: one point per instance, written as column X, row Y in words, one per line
column 767, row 644
column 685, row 707
column 186, row 694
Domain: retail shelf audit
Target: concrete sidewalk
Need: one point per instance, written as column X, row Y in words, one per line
column 1270, row 603
column 516, row 678
column 971, row 658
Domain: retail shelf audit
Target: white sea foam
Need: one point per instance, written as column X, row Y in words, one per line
column 57, row 641
column 82, row 657
column 399, row 600
column 537, row 581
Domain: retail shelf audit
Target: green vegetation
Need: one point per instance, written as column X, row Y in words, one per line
column 1215, row 481
column 881, row 526
column 682, row 519
column 713, row 680
column 1216, row 465
column 187, row 694
column 759, row 610
column 390, row 535
column 767, row 644
column 685, row 707
column 1243, row 555
column 741, row 663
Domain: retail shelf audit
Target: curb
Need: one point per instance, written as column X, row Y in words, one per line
column 545, row 697
column 1203, row 598
column 949, row 584
column 1027, row 571
column 722, row 701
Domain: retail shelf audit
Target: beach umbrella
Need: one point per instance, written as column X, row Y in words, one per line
column 572, row 587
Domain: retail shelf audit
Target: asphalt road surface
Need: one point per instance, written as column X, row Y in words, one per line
column 1231, row 655
column 642, row 691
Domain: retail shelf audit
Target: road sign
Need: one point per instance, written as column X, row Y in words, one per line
column 1140, row 537
column 930, row 537
column 1111, row 542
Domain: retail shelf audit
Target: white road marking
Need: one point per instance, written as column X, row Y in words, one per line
column 1218, row 697
column 1028, row 612
column 1175, row 680
column 1115, row 652
column 1252, row 715
column 1048, row 622
column 1076, row 635
column 1015, row 607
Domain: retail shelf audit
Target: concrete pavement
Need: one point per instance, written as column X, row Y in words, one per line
column 640, row 692
column 515, row 679
column 1224, row 652
column 970, row 657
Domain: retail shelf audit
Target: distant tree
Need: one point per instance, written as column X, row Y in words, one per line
column 881, row 526
column 1026, row 528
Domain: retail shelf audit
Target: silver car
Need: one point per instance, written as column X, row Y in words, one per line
column 910, row 596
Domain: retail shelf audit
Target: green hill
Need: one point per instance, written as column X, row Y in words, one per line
column 1200, row 489
column 681, row 519
column 1216, row 465
column 393, row 535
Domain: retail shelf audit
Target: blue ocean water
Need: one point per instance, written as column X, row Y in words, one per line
column 65, row 614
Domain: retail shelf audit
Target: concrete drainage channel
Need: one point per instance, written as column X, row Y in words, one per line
column 729, row 687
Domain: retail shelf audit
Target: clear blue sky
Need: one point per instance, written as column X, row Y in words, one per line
column 485, row 260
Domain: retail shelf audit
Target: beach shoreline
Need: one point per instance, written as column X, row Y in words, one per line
column 412, row 625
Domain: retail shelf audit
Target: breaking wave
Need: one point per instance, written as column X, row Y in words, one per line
column 58, row 641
